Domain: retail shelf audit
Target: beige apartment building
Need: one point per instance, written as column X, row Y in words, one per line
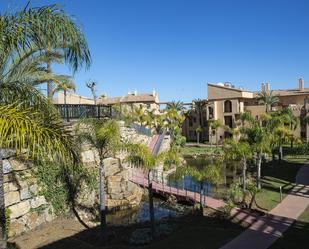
column 148, row 101
column 226, row 102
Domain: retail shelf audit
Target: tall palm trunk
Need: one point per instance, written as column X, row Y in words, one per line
column 102, row 202
column 3, row 242
column 198, row 138
column 259, row 165
column 244, row 170
column 151, row 207
column 49, row 83
column 66, row 107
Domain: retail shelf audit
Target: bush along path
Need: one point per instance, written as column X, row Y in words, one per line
column 268, row 228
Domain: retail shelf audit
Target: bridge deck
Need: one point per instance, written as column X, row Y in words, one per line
column 141, row 179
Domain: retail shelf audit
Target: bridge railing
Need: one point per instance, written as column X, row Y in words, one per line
column 78, row 111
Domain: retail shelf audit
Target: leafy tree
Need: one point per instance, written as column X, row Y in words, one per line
column 175, row 105
column 104, row 136
column 268, row 99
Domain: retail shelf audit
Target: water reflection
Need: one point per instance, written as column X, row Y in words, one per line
column 230, row 173
column 141, row 214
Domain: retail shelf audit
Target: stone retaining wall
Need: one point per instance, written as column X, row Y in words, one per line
column 27, row 208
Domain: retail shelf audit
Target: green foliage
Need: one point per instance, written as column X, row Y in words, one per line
column 227, row 209
column 61, row 184
column 235, row 193
column 7, row 221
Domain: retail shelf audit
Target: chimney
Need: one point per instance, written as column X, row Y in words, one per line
column 154, row 93
column 135, row 92
column 301, row 84
column 267, row 88
column 263, row 87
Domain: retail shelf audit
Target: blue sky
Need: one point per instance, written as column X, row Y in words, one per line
column 177, row 46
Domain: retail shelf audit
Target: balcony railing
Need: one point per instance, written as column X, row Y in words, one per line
column 70, row 111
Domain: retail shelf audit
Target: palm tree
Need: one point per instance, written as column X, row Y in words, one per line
column 198, row 106
column 259, row 138
column 104, row 136
column 198, row 131
column 268, row 99
column 140, row 155
column 59, row 32
column 238, row 150
column 65, row 85
column 207, row 172
column 214, row 125
column 139, row 115
column 176, row 105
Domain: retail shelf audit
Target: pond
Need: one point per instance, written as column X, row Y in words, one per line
column 230, row 173
column 141, row 213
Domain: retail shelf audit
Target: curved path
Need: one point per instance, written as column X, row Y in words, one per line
column 267, row 229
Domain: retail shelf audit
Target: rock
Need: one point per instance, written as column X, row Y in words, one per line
column 18, row 165
column 17, row 227
column 7, row 153
column 25, row 193
column 112, row 166
column 37, row 201
column 48, row 214
column 19, row 209
column 88, row 156
column 118, row 196
column 8, row 177
column 10, row 186
column 114, row 187
column 116, row 178
column 33, row 219
column 33, row 189
column 11, row 198
column 7, row 167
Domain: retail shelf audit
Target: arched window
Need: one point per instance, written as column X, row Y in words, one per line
column 227, row 106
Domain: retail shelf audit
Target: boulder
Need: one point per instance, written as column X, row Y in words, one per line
column 114, row 187
column 19, row 209
column 7, row 167
column 18, row 165
column 11, row 198
column 25, row 193
column 112, row 166
column 17, row 227
column 37, row 201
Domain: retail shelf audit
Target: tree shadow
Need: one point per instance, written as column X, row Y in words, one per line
column 190, row 231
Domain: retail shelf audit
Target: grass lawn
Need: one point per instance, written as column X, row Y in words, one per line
column 198, row 150
column 275, row 175
column 296, row 236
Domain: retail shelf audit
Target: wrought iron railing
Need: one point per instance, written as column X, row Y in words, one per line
column 70, row 111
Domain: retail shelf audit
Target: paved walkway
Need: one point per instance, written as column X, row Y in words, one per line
column 267, row 229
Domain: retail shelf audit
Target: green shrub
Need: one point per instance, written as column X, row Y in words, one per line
column 7, row 220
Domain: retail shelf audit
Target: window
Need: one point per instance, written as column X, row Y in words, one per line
column 190, row 122
column 228, row 121
column 148, row 106
column 194, row 119
column 227, row 106
column 210, row 112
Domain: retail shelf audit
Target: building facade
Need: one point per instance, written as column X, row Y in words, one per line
column 226, row 102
